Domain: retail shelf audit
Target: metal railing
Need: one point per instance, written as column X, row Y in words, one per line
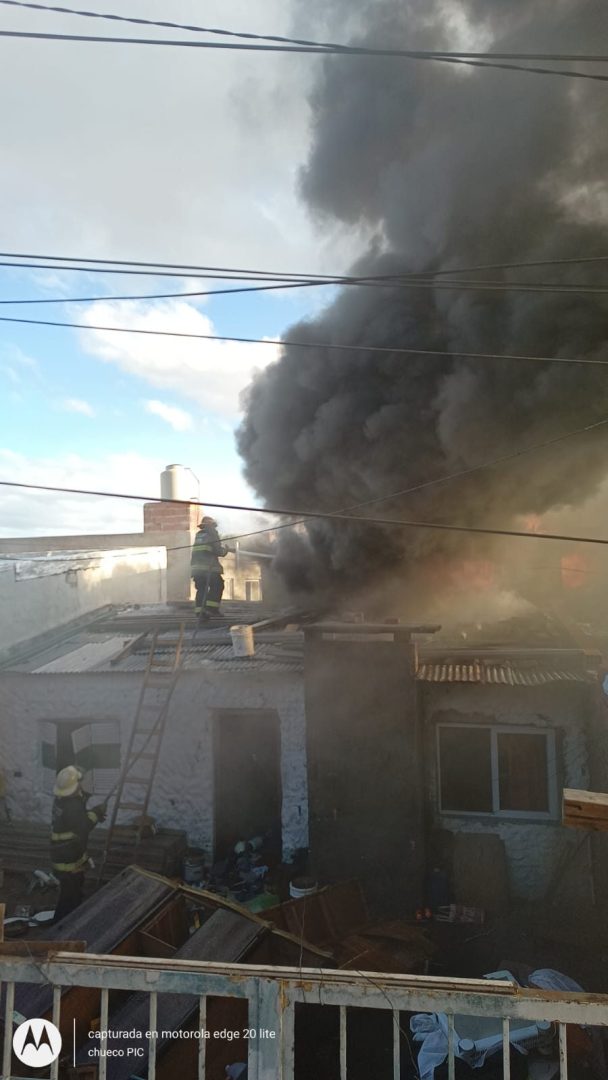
column 272, row 994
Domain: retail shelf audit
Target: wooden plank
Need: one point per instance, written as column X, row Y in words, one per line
column 128, row 649
column 104, row 921
column 585, row 809
column 226, row 938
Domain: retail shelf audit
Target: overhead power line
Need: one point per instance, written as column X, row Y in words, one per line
column 459, row 474
column 410, row 283
column 494, row 60
column 419, row 487
column 320, row 515
column 397, row 349
column 406, row 491
column 279, row 38
column 115, row 266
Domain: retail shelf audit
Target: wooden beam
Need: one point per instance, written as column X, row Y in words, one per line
column 585, row 809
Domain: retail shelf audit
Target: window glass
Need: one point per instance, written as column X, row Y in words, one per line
column 466, row 769
column 522, row 772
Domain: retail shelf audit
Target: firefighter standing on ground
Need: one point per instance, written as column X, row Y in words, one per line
column 206, row 569
column 72, row 823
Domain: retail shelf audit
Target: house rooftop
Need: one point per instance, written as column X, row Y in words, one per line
column 118, row 640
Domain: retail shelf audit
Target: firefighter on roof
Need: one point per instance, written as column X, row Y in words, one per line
column 72, row 823
column 206, row 569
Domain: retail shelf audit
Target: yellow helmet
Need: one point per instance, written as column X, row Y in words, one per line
column 67, row 781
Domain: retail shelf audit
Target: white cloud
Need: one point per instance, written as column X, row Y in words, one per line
column 34, row 513
column 211, row 373
column 224, row 124
column 177, row 418
column 77, row 405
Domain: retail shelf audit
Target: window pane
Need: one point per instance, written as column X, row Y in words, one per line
column 522, row 772
column 466, row 769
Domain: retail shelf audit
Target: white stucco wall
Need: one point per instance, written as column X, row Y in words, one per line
column 183, row 795
column 39, row 594
column 533, row 848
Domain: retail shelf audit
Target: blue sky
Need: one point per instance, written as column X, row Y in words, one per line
column 157, row 155
column 63, row 402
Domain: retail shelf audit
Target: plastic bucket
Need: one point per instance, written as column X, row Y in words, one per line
column 194, row 866
column 300, row 887
column 242, row 640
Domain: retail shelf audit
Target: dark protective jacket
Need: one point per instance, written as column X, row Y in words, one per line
column 72, row 823
column 207, row 551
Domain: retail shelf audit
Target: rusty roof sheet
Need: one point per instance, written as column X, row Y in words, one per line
column 500, row 673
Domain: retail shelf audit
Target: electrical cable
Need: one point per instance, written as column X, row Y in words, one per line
column 413, row 283
column 495, row 59
column 386, row 349
column 444, row 479
column 242, row 273
column 320, row 515
column 405, row 491
column 286, row 40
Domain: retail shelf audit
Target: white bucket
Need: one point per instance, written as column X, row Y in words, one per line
column 300, row 887
column 242, row 640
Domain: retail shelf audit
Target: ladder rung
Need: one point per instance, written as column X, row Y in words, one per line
column 144, row 757
column 131, row 806
column 138, row 780
column 145, row 731
column 160, row 680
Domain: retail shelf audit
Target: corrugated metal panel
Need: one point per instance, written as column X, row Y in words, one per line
column 85, row 658
column 497, row 674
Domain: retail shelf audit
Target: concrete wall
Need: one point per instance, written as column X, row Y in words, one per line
column 533, row 848
column 40, row 594
column 365, row 768
column 183, row 792
column 236, row 575
column 177, row 544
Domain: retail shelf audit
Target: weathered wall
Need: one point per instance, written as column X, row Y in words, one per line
column 364, row 754
column 237, row 572
column 176, row 542
column 183, row 791
column 40, row 594
column 533, row 848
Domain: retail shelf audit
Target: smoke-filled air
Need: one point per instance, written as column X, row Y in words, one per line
column 445, row 166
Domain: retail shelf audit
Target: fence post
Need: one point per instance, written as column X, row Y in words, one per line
column 265, row 1020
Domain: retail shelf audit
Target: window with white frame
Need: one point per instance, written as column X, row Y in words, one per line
column 500, row 770
column 253, row 589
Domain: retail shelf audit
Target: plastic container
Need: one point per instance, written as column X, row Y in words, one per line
column 300, row 887
column 194, row 867
column 242, row 640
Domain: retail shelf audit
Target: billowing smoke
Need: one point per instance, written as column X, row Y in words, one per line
column 448, row 167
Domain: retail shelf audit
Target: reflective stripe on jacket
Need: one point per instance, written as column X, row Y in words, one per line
column 207, row 551
column 72, row 823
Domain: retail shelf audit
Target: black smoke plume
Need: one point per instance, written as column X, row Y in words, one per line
column 445, row 167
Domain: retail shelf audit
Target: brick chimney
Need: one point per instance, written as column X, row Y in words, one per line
column 170, row 517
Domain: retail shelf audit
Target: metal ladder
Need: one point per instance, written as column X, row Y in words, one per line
column 146, row 738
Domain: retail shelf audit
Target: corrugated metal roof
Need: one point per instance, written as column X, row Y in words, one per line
column 267, row 657
column 498, row 674
column 85, row 658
